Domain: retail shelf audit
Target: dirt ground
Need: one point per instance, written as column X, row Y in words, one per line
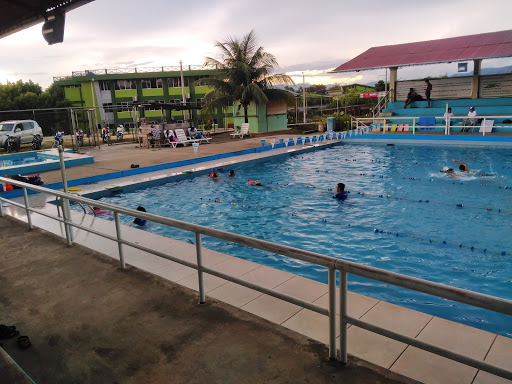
column 90, row 322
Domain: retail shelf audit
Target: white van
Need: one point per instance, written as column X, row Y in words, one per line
column 25, row 129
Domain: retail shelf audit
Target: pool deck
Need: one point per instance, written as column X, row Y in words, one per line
column 391, row 355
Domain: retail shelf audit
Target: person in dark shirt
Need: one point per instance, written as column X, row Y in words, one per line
column 411, row 96
column 340, row 192
column 140, row 222
column 428, row 89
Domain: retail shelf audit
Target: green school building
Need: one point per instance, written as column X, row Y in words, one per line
column 119, row 95
column 130, row 96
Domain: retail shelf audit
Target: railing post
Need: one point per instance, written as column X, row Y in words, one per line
column 25, row 198
column 119, row 244
column 343, row 314
column 483, row 129
column 414, row 126
column 202, row 296
column 332, row 313
column 66, row 216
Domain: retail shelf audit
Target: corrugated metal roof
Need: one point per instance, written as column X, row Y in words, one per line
column 482, row 46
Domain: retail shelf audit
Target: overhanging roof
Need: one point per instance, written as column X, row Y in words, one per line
column 20, row 14
column 482, row 46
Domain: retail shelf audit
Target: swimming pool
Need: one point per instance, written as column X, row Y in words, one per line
column 25, row 158
column 401, row 216
column 40, row 161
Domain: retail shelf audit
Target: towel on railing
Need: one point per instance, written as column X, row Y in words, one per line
column 427, row 121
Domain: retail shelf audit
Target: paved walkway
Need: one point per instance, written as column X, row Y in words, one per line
column 90, row 322
column 119, row 157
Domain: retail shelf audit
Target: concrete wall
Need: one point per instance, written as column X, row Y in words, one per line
column 264, row 118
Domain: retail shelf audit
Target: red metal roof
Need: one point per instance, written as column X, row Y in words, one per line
column 482, row 46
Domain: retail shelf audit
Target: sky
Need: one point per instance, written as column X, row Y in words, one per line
column 310, row 37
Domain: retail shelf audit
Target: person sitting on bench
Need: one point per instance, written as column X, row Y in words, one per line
column 411, row 96
column 468, row 123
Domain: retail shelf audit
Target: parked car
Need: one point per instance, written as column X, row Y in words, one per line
column 24, row 129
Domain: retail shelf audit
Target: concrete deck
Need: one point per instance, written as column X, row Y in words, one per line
column 90, row 322
column 378, row 350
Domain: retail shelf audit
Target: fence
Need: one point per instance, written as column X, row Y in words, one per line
column 332, row 264
column 120, row 71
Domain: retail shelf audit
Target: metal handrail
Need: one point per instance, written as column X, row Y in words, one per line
column 492, row 303
column 120, row 71
column 381, row 104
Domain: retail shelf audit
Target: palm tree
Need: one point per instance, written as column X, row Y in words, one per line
column 245, row 76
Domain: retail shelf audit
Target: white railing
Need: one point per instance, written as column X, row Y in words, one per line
column 380, row 122
column 382, row 103
column 120, row 71
column 332, row 264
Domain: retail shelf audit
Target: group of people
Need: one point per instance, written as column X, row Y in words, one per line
column 471, row 121
column 413, row 96
column 214, row 175
column 170, row 136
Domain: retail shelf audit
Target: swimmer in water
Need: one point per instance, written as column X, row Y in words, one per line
column 140, row 222
column 462, row 167
column 340, row 192
column 232, row 173
column 449, row 172
column 214, row 175
column 257, row 183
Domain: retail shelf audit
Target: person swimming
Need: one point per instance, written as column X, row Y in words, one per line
column 214, row 175
column 232, row 173
column 340, row 192
column 449, row 172
column 462, row 167
column 140, row 222
column 257, row 183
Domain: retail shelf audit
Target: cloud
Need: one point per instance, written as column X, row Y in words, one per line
column 310, row 37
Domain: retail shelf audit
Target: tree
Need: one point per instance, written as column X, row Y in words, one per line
column 245, row 75
column 27, row 98
column 380, row 86
column 319, row 89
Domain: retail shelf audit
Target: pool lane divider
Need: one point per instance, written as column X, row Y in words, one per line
column 375, row 230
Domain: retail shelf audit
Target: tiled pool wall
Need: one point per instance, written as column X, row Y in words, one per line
column 432, row 139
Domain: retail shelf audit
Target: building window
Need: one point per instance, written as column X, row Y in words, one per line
column 104, row 85
column 125, row 84
column 152, row 83
column 73, row 86
column 175, row 82
column 107, row 107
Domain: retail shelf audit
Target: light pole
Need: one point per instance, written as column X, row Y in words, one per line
column 183, row 99
column 303, row 99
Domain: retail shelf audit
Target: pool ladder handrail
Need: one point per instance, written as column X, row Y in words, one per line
column 57, row 200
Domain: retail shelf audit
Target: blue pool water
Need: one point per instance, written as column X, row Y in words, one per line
column 401, row 216
column 25, row 158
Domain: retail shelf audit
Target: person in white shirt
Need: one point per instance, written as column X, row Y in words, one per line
column 468, row 123
column 448, row 116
